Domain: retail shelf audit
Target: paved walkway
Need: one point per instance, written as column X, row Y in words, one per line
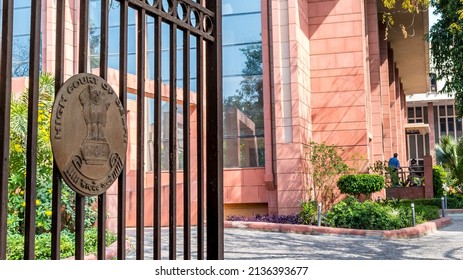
column 243, row 244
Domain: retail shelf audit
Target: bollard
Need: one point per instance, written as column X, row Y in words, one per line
column 413, row 214
column 443, row 206
column 319, row 214
column 445, row 201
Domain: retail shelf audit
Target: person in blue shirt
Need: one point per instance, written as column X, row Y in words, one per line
column 394, row 166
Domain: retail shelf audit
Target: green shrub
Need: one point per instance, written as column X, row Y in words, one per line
column 17, row 167
column 454, row 201
column 323, row 164
column 15, row 244
column 309, row 212
column 356, row 184
column 439, row 177
column 350, row 213
column 457, row 201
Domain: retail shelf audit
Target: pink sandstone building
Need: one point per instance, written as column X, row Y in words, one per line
column 294, row 71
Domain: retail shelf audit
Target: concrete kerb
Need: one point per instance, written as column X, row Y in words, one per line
column 410, row 232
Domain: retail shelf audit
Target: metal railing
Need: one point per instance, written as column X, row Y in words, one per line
column 406, row 176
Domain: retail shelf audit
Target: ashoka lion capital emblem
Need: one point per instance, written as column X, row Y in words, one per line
column 88, row 134
column 95, row 149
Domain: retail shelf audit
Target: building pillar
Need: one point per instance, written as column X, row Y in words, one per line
column 292, row 118
column 428, row 180
column 432, row 134
column 403, row 107
column 387, row 141
column 375, row 81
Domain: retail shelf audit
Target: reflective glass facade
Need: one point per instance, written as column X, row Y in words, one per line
column 242, row 84
column 242, row 70
column 21, row 38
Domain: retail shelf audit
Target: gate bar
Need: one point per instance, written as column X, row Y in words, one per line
column 57, row 183
column 121, row 182
column 200, row 144
column 5, row 99
column 83, row 67
column 173, row 144
column 101, row 252
column 214, row 142
column 141, row 31
column 32, row 123
column 157, row 139
column 186, row 147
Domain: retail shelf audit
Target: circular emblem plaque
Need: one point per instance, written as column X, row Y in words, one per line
column 88, row 134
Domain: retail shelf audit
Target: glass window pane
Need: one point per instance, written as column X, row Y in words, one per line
column 113, row 36
column 131, row 39
column 240, row 6
column 459, row 127
column 442, row 111
column 231, row 86
column 443, row 126
column 451, row 129
column 419, row 112
column 420, row 146
column 114, row 14
column 410, row 113
column 412, row 141
column 113, row 61
column 449, row 110
column 21, row 21
column 132, row 64
column 242, row 29
column 20, row 58
column 131, row 19
column 94, row 13
column 22, row 3
column 233, row 60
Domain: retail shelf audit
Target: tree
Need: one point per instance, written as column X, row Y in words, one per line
column 323, row 165
column 449, row 153
column 409, row 6
column 446, row 45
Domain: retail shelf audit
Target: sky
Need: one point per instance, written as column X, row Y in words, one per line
column 432, row 18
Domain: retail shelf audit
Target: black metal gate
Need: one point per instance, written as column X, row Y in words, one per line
column 200, row 19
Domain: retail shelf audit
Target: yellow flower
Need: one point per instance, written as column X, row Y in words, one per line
column 18, row 148
column 39, row 224
column 21, row 192
column 50, row 190
column 37, row 202
column 48, row 213
column 23, row 204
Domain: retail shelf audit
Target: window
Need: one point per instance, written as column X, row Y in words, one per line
column 448, row 122
column 242, row 84
column 416, row 143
